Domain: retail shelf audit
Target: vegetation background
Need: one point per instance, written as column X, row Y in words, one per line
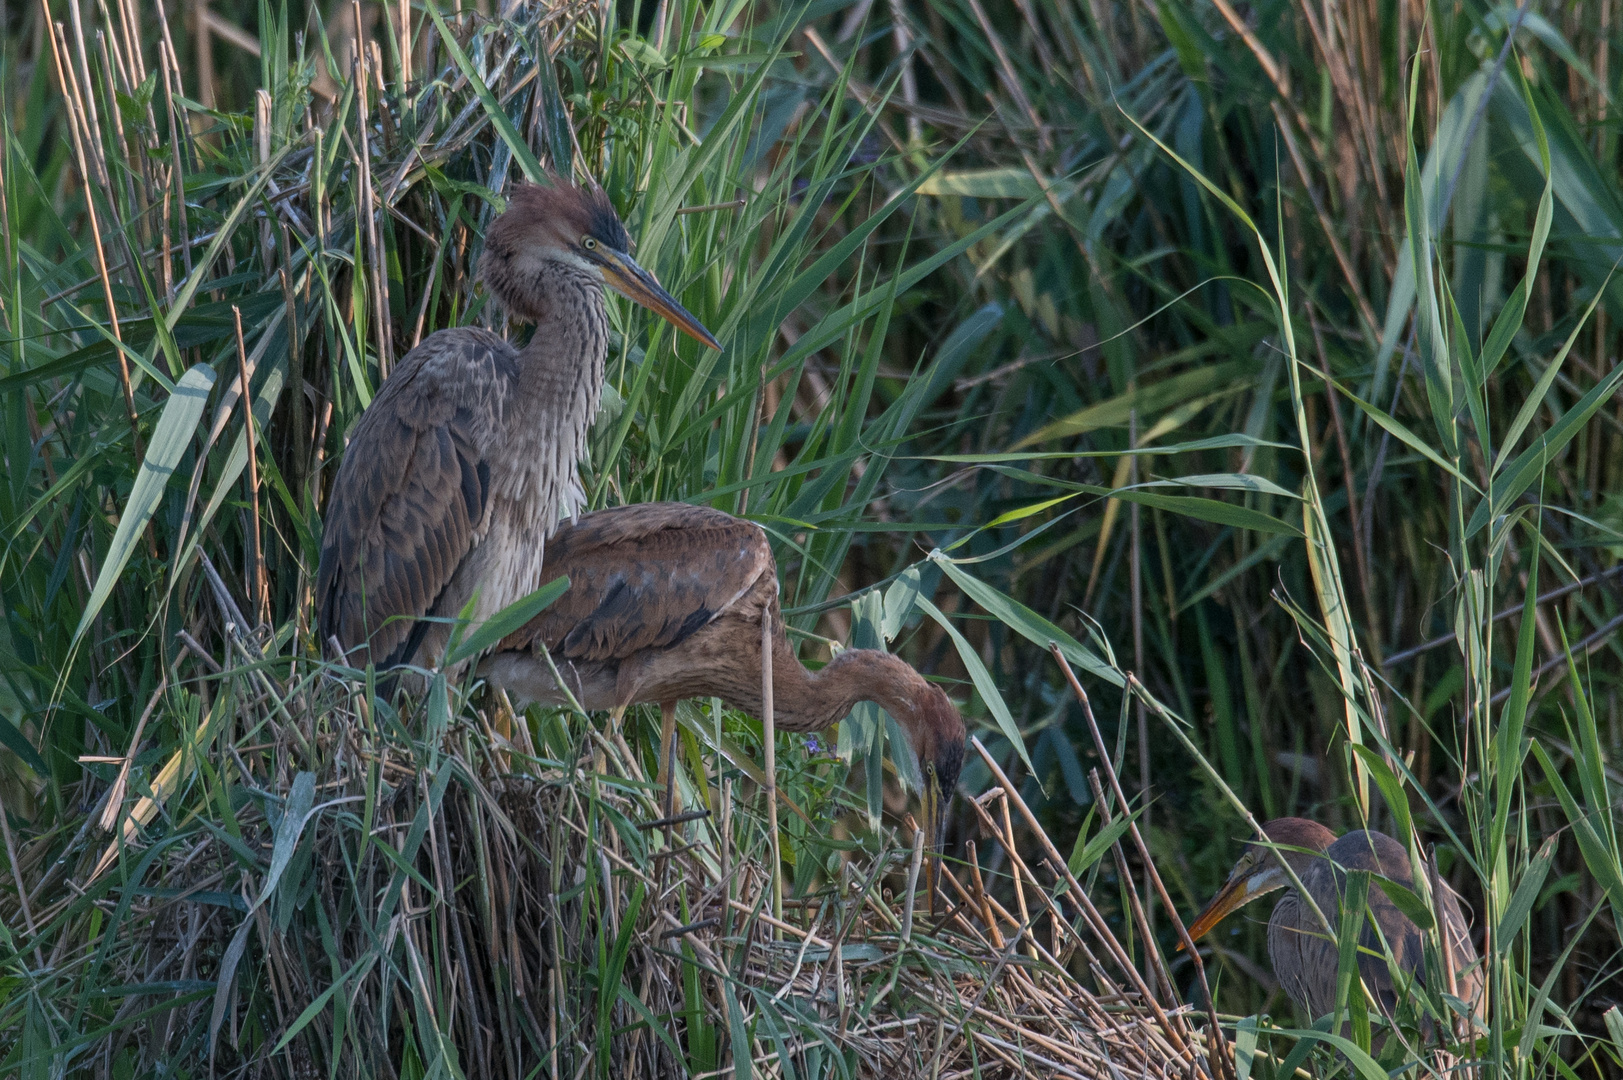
column 1266, row 351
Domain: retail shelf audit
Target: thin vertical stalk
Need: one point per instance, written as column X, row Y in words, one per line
column 1084, row 905
column 171, row 70
column 363, row 165
column 403, row 75
column 256, row 554
column 75, row 107
column 205, row 53
column 1155, row 967
column 87, row 101
column 1135, row 569
column 22, row 892
column 5, row 233
column 758, row 420
column 1019, row 883
column 903, row 41
column 769, row 739
column 295, row 381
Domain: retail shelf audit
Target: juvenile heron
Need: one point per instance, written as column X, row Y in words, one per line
column 665, row 602
column 1304, row 957
column 465, row 460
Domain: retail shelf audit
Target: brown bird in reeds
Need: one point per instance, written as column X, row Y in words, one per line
column 466, row 459
column 665, row 602
column 1305, row 958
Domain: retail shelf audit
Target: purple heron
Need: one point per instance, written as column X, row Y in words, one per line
column 1305, row 959
column 465, row 460
column 665, row 602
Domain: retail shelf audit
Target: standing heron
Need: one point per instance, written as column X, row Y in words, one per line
column 665, row 602
column 465, row 460
column 1305, row 959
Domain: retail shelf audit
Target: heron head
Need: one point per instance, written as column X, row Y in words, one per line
column 544, row 226
column 1258, row 871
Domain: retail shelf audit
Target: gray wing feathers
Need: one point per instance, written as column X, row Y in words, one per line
column 1305, row 960
column 412, row 494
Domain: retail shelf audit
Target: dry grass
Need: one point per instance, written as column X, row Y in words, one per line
column 406, row 872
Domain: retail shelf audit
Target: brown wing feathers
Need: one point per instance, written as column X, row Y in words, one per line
column 408, row 499
column 420, row 556
column 641, row 577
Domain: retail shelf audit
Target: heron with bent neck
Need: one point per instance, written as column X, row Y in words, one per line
column 666, row 601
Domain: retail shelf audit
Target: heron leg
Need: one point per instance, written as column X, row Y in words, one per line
column 502, row 725
column 667, row 755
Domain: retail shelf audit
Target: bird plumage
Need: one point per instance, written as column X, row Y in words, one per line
column 466, row 459
column 665, row 602
column 1305, row 959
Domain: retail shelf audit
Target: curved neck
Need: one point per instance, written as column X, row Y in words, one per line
column 555, row 396
column 818, row 699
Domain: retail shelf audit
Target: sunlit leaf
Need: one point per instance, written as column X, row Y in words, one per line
column 170, row 437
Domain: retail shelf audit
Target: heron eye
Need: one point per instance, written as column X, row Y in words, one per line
column 589, row 243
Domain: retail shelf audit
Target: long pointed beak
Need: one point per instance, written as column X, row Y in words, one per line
column 624, row 276
column 1235, row 894
column 935, row 820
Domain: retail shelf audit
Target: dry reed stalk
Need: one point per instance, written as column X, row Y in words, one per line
column 260, row 598
column 1011, row 81
column 1085, row 905
column 770, row 750
column 81, row 132
column 404, row 73
column 362, row 150
column 169, row 76
column 85, row 97
column 22, row 893
column 112, row 64
column 1023, row 872
column 1349, row 275
column 1154, row 963
column 115, row 797
column 1354, row 102
column 1019, row 879
column 202, row 27
column 1214, row 1030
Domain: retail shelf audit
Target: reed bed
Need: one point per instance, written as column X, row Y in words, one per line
column 1265, row 366
column 501, row 895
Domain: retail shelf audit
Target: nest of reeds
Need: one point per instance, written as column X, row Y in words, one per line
column 511, row 892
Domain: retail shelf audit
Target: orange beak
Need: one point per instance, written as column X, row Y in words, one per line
column 624, row 276
column 1238, row 892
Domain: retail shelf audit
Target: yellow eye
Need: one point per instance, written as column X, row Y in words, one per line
column 588, row 243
